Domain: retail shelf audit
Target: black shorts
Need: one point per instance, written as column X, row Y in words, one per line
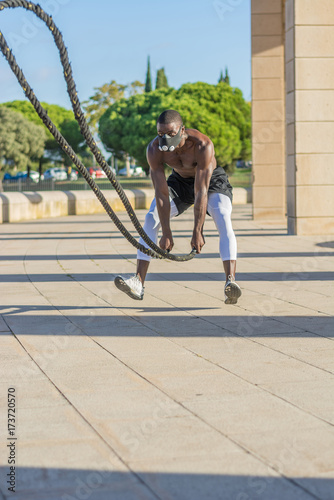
column 182, row 192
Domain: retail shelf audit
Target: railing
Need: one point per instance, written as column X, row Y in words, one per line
column 80, row 184
column 240, row 178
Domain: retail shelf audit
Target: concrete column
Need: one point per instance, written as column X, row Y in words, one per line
column 310, row 115
column 268, row 109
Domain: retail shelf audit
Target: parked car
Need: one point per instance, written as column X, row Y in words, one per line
column 73, row 175
column 240, row 164
column 10, row 178
column 34, row 176
column 56, row 173
column 7, row 177
column 243, row 164
column 98, row 173
column 134, row 172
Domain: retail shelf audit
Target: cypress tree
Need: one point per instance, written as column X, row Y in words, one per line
column 158, row 82
column 227, row 78
column 148, row 84
column 165, row 81
column 161, row 81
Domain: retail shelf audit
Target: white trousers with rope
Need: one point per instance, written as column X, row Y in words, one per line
column 220, row 209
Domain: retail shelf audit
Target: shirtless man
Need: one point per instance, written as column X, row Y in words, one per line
column 196, row 180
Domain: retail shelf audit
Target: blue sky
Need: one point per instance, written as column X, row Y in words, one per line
column 110, row 40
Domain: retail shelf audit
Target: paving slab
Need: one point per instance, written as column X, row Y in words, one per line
column 178, row 396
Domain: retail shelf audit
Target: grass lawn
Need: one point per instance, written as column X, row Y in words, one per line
column 242, row 177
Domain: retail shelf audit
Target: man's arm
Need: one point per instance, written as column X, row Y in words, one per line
column 154, row 159
column 204, row 169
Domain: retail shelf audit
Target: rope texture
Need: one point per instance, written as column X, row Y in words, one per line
column 154, row 250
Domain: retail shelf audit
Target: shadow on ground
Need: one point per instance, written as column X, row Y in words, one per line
column 177, row 277
column 326, row 244
column 73, row 484
column 241, row 255
column 141, row 321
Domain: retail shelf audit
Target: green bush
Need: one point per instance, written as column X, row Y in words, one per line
column 218, row 111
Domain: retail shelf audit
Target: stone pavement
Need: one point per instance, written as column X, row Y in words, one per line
column 177, row 397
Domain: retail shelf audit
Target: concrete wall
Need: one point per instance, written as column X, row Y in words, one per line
column 16, row 207
column 268, row 109
column 293, row 113
column 310, row 115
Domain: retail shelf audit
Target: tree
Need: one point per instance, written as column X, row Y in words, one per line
column 148, row 84
column 135, row 87
column 229, row 107
column 57, row 113
column 161, row 81
column 227, row 78
column 216, row 110
column 62, row 118
column 21, row 141
column 104, row 97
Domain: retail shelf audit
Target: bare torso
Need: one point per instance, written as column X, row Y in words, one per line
column 184, row 160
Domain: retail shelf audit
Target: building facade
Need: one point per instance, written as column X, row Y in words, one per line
column 293, row 113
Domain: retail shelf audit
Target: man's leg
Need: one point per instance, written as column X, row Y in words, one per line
column 151, row 228
column 142, row 268
column 134, row 286
column 220, row 209
column 229, row 268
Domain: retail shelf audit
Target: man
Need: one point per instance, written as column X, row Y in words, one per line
column 196, row 180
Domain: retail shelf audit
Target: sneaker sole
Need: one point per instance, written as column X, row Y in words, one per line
column 232, row 292
column 123, row 287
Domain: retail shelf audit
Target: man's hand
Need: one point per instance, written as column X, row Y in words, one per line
column 166, row 242
column 197, row 241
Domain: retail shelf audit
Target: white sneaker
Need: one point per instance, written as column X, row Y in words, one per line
column 232, row 291
column 133, row 287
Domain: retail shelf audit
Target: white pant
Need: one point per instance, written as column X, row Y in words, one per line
column 220, row 209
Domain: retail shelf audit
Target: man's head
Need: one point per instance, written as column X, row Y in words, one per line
column 170, row 116
column 170, row 129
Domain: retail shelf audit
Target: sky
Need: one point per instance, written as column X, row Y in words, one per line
column 110, row 40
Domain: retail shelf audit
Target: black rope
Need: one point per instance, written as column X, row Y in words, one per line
column 154, row 250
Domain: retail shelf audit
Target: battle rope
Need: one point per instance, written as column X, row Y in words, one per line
column 154, row 250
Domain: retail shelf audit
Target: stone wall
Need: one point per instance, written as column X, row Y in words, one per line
column 16, row 207
column 310, row 115
column 268, row 109
column 293, row 113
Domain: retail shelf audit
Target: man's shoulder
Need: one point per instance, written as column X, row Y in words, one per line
column 153, row 146
column 200, row 140
column 202, row 143
column 153, row 154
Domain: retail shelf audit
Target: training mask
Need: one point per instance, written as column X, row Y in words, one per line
column 168, row 143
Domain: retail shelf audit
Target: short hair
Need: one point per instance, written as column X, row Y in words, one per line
column 170, row 116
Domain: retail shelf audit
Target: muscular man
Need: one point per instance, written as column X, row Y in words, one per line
column 196, row 180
